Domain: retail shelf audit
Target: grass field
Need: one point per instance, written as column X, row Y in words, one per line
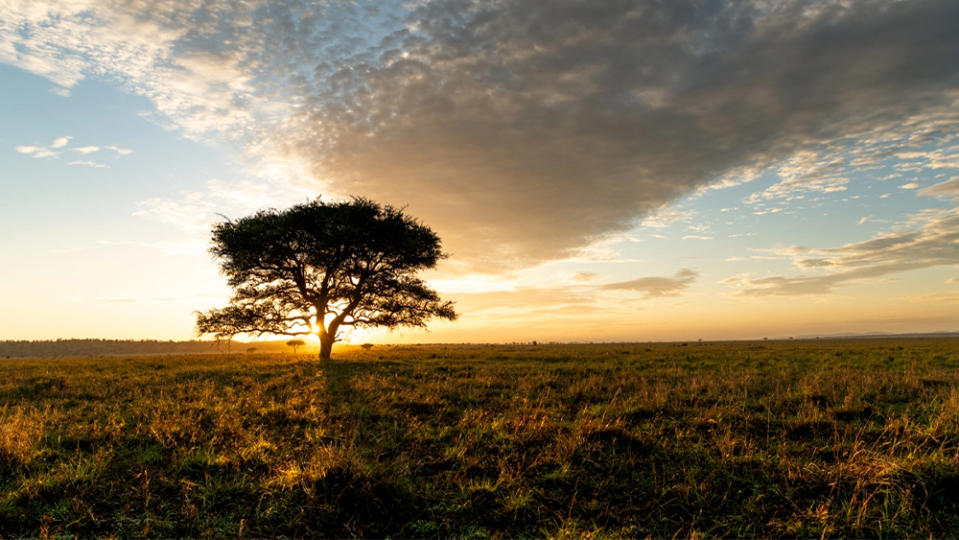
column 813, row 438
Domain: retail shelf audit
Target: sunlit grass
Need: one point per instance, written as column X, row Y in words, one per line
column 821, row 438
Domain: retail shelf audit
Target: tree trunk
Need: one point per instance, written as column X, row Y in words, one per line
column 326, row 345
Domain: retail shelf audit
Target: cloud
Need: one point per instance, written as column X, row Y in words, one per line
column 544, row 127
column 523, row 130
column 940, row 158
column 584, row 276
column 119, row 151
column 60, row 142
column 161, row 50
column 910, row 185
column 934, row 241
column 664, row 217
column 192, row 213
column 544, row 303
column 736, row 177
column 804, row 172
column 88, row 163
column 654, row 287
column 195, row 211
column 949, row 188
column 36, row 151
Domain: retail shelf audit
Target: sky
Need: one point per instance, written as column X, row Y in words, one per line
column 597, row 171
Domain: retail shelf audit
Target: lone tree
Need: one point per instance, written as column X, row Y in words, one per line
column 295, row 343
column 319, row 267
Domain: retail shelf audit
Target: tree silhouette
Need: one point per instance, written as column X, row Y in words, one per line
column 319, row 267
column 296, row 343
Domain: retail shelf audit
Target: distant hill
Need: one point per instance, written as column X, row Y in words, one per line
column 104, row 347
column 883, row 335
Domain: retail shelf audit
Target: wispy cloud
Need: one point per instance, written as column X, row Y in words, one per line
column 195, row 211
column 666, row 216
column 60, row 142
column 654, row 287
column 119, row 151
column 134, row 44
column 949, row 188
column 933, row 241
column 804, row 172
column 40, row 151
column 736, row 177
column 584, row 276
column 940, row 158
column 547, row 304
column 88, row 163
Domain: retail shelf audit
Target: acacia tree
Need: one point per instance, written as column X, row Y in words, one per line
column 319, row 267
column 295, row 343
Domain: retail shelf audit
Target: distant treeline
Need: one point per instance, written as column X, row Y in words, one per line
column 100, row 347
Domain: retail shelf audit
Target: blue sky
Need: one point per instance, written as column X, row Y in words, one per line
column 598, row 172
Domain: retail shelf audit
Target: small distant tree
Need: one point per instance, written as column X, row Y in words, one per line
column 296, row 343
column 319, row 267
column 367, row 346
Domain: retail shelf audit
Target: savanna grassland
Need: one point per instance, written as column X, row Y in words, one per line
column 814, row 438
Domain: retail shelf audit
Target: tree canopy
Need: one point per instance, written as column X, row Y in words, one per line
column 320, row 267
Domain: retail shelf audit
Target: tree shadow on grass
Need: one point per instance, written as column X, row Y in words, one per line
column 358, row 496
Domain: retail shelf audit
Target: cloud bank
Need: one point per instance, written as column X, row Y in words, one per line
column 538, row 127
column 522, row 130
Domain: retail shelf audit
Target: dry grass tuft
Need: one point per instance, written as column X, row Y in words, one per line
column 21, row 429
